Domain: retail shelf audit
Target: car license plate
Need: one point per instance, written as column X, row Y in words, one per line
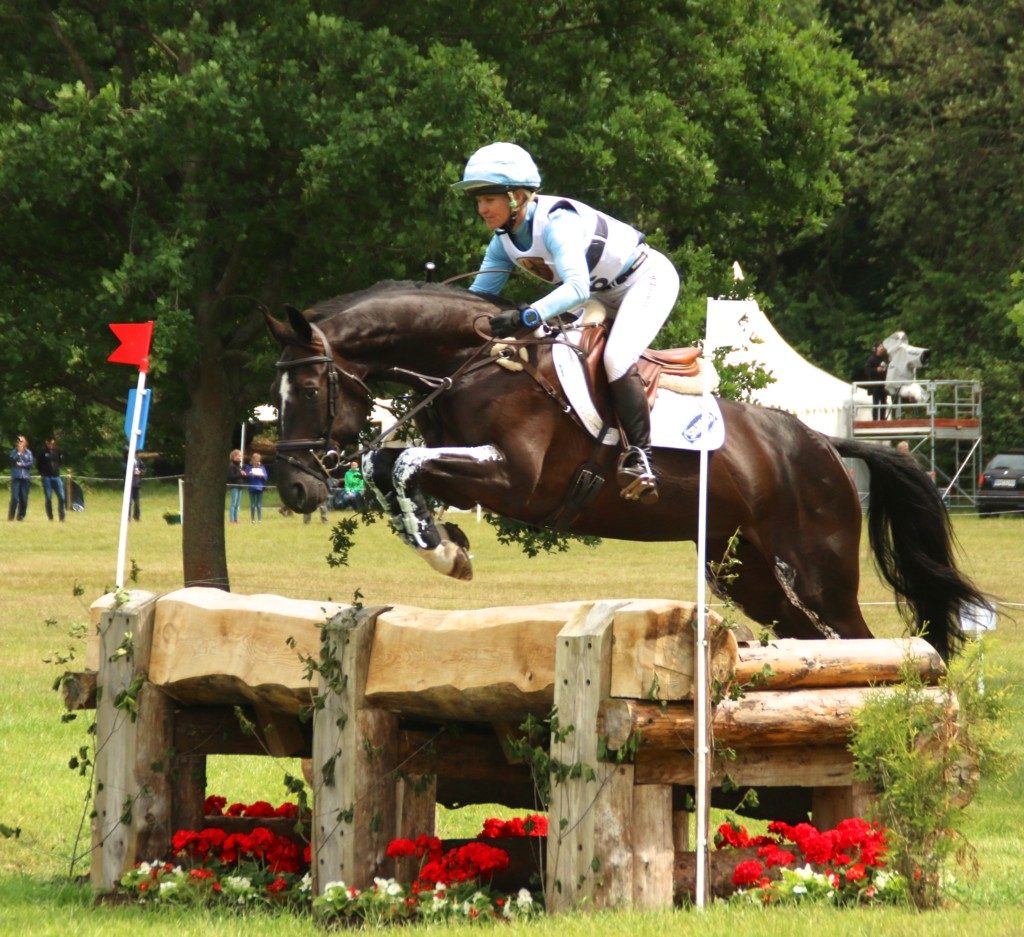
column 1004, row 483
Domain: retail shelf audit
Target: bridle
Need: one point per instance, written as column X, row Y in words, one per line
column 321, row 448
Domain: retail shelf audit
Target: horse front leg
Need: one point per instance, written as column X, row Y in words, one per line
column 393, row 477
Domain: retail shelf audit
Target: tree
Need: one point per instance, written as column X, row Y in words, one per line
column 930, row 233
column 187, row 162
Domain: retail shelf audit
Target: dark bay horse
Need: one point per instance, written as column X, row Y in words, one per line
column 502, row 439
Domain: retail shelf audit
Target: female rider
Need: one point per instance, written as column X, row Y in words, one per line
column 585, row 252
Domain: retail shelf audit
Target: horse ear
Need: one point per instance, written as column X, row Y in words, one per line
column 299, row 324
column 281, row 333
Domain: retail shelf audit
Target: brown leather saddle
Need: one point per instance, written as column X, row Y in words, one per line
column 678, row 362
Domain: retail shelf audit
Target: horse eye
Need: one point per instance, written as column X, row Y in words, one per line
column 310, row 393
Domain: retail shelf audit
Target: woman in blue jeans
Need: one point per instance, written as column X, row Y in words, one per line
column 21, row 463
column 256, row 473
column 235, row 483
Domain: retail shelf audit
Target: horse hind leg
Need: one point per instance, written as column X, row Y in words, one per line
column 798, row 601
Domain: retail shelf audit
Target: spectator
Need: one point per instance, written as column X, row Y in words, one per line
column 138, row 470
column 351, row 495
column 256, row 474
column 875, row 369
column 21, row 465
column 50, row 461
column 235, row 482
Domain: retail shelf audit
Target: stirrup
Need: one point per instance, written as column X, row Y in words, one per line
column 636, row 480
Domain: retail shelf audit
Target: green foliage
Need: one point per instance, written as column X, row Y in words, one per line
column 185, row 164
column 534, row 540
column 928, row 238
column 922, row 756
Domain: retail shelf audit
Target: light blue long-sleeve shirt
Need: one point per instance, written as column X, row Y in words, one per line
column 565, row 238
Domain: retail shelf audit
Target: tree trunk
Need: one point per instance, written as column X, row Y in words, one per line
column 207, row 444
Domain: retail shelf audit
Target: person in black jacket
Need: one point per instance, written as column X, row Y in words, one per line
column 875, row 369
column 50, row 461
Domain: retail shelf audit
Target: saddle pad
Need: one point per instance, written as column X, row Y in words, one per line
column 676, row 419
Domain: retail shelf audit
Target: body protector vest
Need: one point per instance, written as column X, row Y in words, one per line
column 611, row 243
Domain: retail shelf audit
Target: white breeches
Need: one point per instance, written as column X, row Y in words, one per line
column 642, row 305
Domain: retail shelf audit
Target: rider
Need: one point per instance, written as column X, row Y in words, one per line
column 585, row 252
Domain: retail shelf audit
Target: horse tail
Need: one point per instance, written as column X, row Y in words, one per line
column 913, row 543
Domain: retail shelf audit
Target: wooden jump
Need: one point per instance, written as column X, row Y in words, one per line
column 390, row 683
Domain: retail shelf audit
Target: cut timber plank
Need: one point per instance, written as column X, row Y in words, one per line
column 216, row 647
column 497, row 664
column 849, row 662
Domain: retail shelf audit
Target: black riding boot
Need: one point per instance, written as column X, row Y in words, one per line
column 635, row 474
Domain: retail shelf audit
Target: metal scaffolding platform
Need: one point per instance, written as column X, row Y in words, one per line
column 942, row 430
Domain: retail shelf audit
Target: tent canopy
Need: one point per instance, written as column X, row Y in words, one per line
column 819, row 399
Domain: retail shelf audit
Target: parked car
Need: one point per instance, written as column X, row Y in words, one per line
column 1001, row 485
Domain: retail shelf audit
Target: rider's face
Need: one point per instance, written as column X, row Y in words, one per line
column 493, row 209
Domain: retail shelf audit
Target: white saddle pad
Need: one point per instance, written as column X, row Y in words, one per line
column 677, row 421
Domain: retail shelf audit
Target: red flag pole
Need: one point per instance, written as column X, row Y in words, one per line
column 134, row 349
column 129, row 468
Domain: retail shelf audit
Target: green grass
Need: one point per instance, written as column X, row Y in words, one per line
column 42, row 563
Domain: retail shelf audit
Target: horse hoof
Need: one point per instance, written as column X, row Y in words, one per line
column 449, row 559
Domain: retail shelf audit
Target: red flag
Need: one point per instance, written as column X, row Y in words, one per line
column 135, row 338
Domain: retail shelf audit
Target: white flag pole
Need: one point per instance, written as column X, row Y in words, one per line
column 129, row 468
column 701, row 733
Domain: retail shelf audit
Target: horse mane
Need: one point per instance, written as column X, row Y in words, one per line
column 328, row 308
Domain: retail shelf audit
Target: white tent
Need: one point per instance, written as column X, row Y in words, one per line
column 820, row 400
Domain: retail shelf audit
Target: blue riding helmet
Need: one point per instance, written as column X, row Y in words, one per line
column 499, row 167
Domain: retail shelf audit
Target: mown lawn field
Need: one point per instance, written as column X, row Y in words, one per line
column 44, row 564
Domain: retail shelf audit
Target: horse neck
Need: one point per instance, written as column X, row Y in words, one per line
column 430, row 341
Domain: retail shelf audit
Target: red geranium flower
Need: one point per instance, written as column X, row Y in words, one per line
column 747, row 873
column 773, row 855
column 278, row 885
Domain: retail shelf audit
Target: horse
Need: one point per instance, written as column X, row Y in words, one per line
column 779, row 495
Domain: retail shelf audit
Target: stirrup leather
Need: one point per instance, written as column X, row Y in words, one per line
column 636, row 479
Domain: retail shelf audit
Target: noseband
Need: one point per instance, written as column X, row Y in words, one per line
column 322, row 444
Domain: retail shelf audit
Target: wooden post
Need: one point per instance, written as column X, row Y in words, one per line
column 594, row 845
column 354, row 752
column 125, row 633
column 415, row 815
column 830, row 805
column 653, row 837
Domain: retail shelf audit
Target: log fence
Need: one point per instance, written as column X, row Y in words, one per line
column 414, row 707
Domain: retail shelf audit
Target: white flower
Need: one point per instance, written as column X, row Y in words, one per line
column 237, row 882
column 799, row 889
column 168, row 887
column 524, row 900
column 805, row 873
column 305, row 884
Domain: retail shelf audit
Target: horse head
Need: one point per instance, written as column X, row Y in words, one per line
column 322, row 404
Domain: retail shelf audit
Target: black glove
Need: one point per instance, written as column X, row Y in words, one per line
column 508, row 323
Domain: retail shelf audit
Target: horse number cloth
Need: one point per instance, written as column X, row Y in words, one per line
column 678, row 421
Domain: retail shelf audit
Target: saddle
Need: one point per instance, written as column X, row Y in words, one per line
column 676, row 369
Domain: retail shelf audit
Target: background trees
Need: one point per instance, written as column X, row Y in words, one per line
column 188, row 161
column 931, row 231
